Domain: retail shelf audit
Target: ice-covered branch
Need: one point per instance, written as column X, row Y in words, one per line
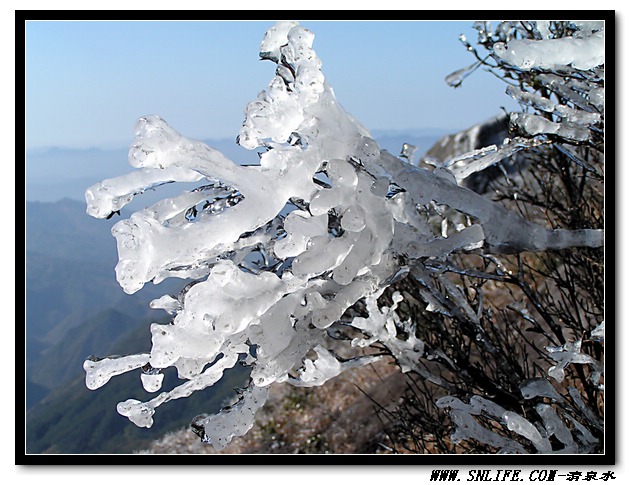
column 334, row 219
column 584, row 50
column 478, row 421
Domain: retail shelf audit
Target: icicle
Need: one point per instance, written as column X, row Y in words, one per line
column 99, row 372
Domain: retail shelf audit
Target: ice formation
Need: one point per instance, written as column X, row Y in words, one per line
column 584, row 50
column 280, row 251
column 555, row 420
column 467, row 427
column 571, row 353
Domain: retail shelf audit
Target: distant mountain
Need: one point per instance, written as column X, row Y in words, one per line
column 73, row 419
column 69, row 263
column 411, row 132
column 96, row 335
column 55, row 173
column 74, row 308
column 62, row 292
column 34, row 393
column 70, row 280
column 64, row 230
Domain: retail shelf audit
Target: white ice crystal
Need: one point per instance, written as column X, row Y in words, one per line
column 584, row 50
column 280, row 251
column 571, row 353
column 383, row 325
column 536, row 125
column 325, row 367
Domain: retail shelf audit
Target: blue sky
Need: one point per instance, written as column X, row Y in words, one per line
column 88, row 81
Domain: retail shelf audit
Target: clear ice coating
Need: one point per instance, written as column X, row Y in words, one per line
column 554, row 422
column 278, row 252
column 522, row 426
column 235, row 420
column 571, row 353
column 539, row 387
column 467, row 427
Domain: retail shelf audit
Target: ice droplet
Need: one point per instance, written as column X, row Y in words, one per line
column 456, row 78
column 152, row 382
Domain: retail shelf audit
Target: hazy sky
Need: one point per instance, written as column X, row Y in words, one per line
column 88, row 81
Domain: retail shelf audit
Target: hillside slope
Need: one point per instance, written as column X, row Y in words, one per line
column 345, row 415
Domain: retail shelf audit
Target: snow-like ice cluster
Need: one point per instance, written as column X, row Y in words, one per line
column 280, row 251
column 583, row 50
